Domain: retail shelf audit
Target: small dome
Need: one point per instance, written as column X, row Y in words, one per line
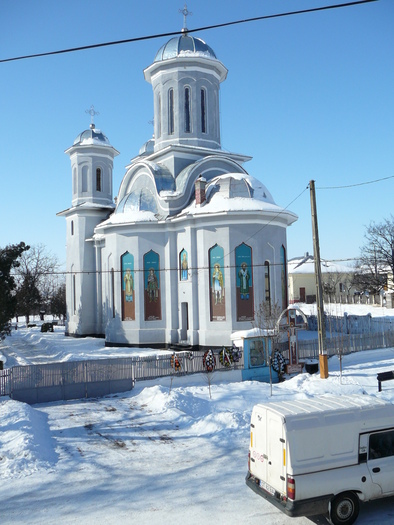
column 139, row 200
column 184, row 45
column 92, row 136
column 148, row 147
column 238, row 185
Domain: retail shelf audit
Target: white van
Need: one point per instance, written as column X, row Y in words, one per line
column 322, row 455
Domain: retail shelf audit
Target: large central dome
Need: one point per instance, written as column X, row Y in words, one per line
column 184, row 45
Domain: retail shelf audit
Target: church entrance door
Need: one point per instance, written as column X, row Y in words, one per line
column 184, row 321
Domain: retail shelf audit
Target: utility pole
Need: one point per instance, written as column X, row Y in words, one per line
column 321, row 328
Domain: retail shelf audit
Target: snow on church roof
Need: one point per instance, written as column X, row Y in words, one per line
column 237, row 192
column 184, row 45
column 91, row 137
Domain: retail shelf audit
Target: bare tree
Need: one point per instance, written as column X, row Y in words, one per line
column 38, row 267
column 265, row 323
column 330, row 283
column 377, row 257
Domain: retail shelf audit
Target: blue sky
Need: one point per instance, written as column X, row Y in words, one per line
column 308, row 96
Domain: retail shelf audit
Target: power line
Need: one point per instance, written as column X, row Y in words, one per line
column 174, row 33
column 354, row 185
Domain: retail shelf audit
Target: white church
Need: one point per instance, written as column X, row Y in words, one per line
column 192, row 244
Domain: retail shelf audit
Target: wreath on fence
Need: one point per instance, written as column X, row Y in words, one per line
column 226, row 357
column 209, row 361
column 175, row 363
column 278, row 363
column 236, row 354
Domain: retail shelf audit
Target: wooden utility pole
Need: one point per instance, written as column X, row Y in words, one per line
column 321, row 327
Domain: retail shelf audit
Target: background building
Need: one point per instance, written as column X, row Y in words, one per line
column 337, row 280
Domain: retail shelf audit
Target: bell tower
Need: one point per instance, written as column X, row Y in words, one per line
column 92, row 159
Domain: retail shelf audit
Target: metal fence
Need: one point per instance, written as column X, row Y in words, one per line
column 181, row 363
column 5, row 388
column 67, row 380
column 342, row 344
column 96, row 378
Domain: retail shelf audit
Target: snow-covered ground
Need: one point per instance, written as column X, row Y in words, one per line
column 160, row 454
column 351, row 309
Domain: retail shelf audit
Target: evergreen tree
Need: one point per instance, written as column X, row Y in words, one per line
column 8, row 261
column 58, row 302
column 28, row 297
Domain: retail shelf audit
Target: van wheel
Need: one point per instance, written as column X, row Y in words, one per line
column 344, row 509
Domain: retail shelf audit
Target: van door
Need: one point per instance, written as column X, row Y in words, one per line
column 258, row 443
column 381, row 460
column 276, row 451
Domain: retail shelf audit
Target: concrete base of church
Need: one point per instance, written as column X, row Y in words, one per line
column 99, row 336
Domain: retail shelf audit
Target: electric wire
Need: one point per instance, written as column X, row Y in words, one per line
column 354, row 185
column 191, row 269
column 174, row 33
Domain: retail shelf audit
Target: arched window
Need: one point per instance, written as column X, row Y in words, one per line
column 158, row 116
column 75, row 187
column 85, row 171
column 283, row 264
column 72, row 227
column 203, row 111
column 171, row 121
column 267, row 282
column 98, row 179
column 187, row 110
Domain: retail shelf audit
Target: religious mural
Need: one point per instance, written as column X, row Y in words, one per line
column 152, row 298
column 183, row 265
column 244, row 280
column 217, row 284
column 128, row 297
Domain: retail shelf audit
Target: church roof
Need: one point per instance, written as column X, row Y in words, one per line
column 184, row 45
column 92, row 136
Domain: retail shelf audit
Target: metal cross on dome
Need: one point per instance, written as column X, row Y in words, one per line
column 185, row 13
column 92, row 113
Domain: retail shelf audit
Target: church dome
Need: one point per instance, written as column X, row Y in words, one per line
column 184, row 45
column 90, row 137
column 238, row 185
column 148, row 147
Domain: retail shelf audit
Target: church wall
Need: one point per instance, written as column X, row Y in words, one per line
column 140, row 331
column 195, row 291
column 81, row 263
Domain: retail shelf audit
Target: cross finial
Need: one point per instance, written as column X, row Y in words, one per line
column 92, row 113
column 185, row 13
